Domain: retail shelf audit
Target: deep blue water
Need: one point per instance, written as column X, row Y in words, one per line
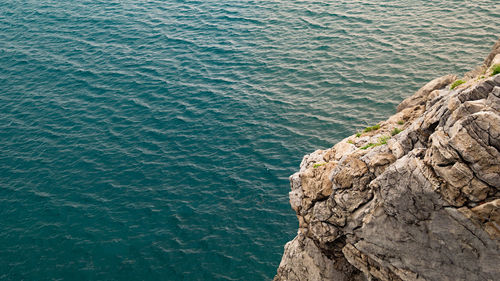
column 153, row 140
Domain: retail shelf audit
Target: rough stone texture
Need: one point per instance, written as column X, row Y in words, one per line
column 422, row 205
column 421, row 96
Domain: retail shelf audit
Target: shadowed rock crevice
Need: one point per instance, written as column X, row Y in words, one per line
column 418, row 203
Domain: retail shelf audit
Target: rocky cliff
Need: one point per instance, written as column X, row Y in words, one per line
column 416, row 197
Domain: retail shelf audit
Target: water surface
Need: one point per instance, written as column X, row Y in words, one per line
column 153, row 140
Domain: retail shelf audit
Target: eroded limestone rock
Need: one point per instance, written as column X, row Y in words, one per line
column 423, row 204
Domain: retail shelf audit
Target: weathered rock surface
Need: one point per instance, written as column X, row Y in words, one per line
column 416, row 199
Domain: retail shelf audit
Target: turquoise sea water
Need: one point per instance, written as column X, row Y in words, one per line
column 153, row 140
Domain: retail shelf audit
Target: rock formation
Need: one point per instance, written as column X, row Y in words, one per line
column 416, row 197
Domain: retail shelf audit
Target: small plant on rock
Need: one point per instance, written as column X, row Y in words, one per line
column 496, row 69
column 382, row 140
column 372, row 128
column 456, row 83
column 396, row 131
column 368, row 146
column 318, row 165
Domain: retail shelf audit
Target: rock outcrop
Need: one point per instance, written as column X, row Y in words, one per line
column 416, row 197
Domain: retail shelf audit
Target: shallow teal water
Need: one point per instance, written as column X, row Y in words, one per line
column 153, row 140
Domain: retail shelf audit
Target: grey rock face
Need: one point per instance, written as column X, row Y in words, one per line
column 422, row 205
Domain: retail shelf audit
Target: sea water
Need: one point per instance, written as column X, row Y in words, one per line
column 153, row 140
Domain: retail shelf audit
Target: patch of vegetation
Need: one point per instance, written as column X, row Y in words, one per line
column 496, row 69
column 368, row 146
column 396, row 131
column 401, row 122
column 372, row 128
column 318, row 165
column 456, row 83
column 358, row 134
column 350, row 141
column 382, row 140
